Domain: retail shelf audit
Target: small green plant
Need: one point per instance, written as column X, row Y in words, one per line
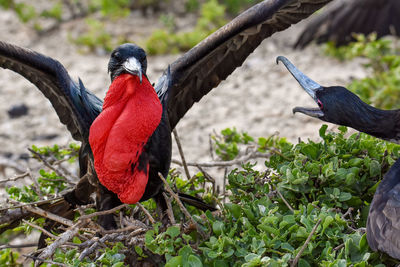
column 166, row 41
column 9, row 258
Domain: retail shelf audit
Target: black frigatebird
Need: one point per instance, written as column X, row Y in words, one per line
column 344, row 17
column 132, row 173
column 338, row 105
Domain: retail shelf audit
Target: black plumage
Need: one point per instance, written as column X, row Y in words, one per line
column 340, row 106
column 342, row 18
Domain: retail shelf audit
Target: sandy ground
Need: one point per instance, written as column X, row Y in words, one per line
column 257, row 98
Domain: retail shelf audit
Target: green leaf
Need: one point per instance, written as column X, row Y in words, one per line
column 173, row 231
column 194, row 261
column 174, row 262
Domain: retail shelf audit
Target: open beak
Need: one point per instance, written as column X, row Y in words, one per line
column 307, row 84
column 133, row 66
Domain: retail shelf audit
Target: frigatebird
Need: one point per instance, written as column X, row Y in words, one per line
column 344, row 17
column 183, row 83
column 338, row 105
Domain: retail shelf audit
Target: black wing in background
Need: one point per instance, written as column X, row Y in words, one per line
column 75, row 106
column 203, row 67
column 383, row 224
column 344, row 17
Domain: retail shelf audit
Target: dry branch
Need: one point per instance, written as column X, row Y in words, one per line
column 241, row 160
column 180, row 149
column 296, row 260
column 12, row 179
column 49, row 215
column 148, row 215
column 181, row 206
column 59, row 172
column 104, row 212
column 62, row 239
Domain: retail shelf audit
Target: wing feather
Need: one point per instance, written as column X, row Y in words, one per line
column 75, row 106
column 345, row 17
column 211, row 61
column 383, row 224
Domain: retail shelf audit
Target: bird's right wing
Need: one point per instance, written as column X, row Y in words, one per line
column 75, row 106
column 383, row 224
column 344, row 17
column 203, row 67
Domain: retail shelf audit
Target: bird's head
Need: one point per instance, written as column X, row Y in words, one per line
column 127, row 58
column 338, row 105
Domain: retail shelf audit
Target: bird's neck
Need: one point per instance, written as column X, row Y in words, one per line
column 384, row 124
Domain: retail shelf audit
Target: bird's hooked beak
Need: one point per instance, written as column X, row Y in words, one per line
column 307, row 84
column 133, row 66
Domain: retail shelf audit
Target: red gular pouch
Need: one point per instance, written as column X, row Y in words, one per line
column 131, row 113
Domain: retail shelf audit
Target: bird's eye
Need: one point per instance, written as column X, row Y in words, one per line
column 116, row 55
column 320, row 104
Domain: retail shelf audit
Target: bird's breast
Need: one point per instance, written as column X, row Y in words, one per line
column 132, row 112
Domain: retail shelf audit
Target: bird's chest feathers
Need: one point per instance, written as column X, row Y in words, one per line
column 131, row 113
column 138, row 111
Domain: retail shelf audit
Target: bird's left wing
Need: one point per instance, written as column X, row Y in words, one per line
column 383, row 224
column 75, row 106
column 211, row 61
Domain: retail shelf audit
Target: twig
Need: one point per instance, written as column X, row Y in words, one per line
column 49, row 215
column 211, row 147
column 348, row 212
column 61, row 239
column 19, row 246
column 36, row 184
column 178, row 143
column 31, row 204
column 181, row 206
column 43, row 260
column 12, row 179
column 228, row 163
column 285, row 201
column 40, row 229
column 224, row 184
column 104, row 212
column 47, row 164
column 125, row 229
column 170, row 212
column 296, row 260
column 148, row 215
column 338, row 247
column 89, row 250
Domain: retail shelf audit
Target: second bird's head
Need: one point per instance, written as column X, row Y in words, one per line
column 338, row 105
column 127, row 58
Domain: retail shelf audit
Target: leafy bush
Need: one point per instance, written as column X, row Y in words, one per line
column 382, row 87
column 309, row 204
column 319, row 182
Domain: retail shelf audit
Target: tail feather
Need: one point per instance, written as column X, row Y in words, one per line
column 196, row 202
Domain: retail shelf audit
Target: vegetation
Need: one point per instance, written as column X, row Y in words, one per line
column 383, row 64
column 312, row 190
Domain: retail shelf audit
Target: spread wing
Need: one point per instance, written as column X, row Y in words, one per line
column 203, row 67
column 344, row 17
column 383, row 224
column 75, row 106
